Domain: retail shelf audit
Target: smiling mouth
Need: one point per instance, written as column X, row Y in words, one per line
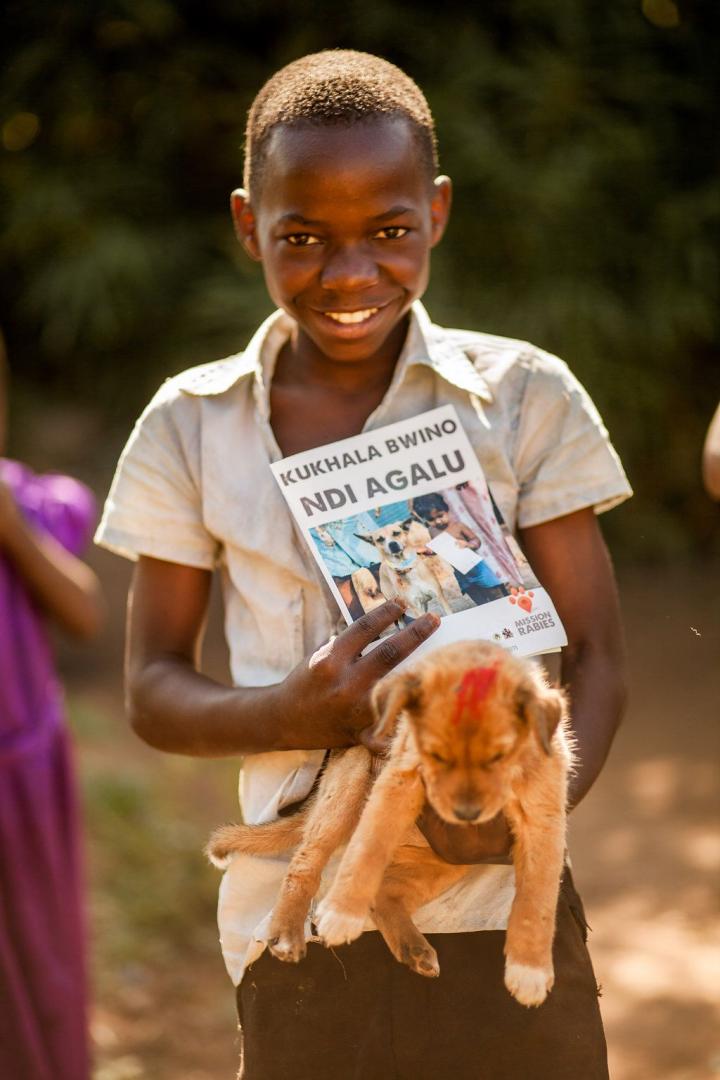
column 351, row 318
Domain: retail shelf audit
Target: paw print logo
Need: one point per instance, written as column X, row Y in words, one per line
column 521, row 598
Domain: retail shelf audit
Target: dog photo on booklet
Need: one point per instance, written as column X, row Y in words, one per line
column 476, row 732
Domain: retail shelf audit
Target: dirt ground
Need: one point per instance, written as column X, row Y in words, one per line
column 645, row 848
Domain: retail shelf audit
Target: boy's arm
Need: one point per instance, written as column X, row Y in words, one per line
column 571, row 560
column 470, row 538
column 323, row 702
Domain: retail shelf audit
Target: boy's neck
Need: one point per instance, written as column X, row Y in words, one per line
column 315, row 399
column 301, row 364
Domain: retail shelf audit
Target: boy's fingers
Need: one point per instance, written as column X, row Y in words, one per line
column 369, row 627
column 392, row 650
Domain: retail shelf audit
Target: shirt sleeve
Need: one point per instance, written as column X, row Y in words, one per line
column 563, row 458
column 155, row 505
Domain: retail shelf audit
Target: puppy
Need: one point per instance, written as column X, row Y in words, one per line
column 408, row 576
column 418, row 538
column 477, row 731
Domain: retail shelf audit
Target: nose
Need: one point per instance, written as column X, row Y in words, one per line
column 349, row 269
column 466, row 810
column 394, row 547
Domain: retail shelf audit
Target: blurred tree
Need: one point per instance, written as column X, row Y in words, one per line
column 586, row 214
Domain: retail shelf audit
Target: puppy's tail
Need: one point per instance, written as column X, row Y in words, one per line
column 274, row 838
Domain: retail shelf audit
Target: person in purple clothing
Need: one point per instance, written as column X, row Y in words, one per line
column 45, row 522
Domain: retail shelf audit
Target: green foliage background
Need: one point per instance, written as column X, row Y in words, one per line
column 579, row 136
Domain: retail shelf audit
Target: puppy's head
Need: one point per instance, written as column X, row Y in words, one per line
column 478, row 715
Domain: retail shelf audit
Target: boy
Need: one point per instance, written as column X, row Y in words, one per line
column 342, row 206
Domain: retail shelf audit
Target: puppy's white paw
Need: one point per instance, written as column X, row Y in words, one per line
column 528, row 985
column 337, row 927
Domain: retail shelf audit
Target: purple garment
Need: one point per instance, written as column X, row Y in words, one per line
column 43, row 1020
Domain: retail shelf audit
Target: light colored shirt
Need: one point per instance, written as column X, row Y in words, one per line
column 193, row 486
column 342, row 550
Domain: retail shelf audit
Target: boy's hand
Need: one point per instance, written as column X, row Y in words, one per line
column 331, row 691
column 490, row 842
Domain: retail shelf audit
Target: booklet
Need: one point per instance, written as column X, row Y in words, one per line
column 405, row 511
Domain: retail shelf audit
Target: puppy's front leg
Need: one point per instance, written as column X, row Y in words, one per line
column 330, row 821
column 394, row 804
column 538, row 855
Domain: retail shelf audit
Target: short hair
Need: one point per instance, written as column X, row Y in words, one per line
column 424, row 505
column 335, row 87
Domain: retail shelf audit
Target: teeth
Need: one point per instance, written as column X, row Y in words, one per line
column 347, row 317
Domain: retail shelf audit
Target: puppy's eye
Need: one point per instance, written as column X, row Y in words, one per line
column 438, row 757
column 495, row 758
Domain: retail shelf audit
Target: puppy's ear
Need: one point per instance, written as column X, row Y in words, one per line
column 542, row 708
column 368, row 539
column 390, row 697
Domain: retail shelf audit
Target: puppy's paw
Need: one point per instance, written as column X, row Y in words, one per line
column 338, row 927
column 288, row 946
column 421, row 958
column 528, row 985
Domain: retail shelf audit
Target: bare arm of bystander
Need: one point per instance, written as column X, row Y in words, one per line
column 711, row 458
column 62, row 585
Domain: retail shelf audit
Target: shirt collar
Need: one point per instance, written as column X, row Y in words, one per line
column 433, row 346
column 426, row 344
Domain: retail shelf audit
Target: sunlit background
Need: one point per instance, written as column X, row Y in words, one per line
column 583, row 144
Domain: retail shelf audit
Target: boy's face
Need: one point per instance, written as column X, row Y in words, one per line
column 343, row 225
column 439, row 518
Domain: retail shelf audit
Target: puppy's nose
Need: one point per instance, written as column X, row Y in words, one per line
column 467, row 811
column 395, row 548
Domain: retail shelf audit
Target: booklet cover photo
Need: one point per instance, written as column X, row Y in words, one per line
column 405, row 512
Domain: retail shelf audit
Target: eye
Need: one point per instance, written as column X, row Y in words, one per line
column 438, row 757
column 495, row 758
column 392, row 232
column 302, row 239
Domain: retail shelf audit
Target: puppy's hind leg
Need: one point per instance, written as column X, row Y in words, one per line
column 415, row 877
column 330, row 821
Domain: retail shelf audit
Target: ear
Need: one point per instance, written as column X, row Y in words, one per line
column 542, row 708
column 440, row 207
column 391, row 696
column 244, row 222
column 367, row 539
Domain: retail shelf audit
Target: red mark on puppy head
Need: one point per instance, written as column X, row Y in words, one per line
column 473, row 690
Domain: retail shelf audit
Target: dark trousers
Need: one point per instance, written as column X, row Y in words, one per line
column 355, row 1013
